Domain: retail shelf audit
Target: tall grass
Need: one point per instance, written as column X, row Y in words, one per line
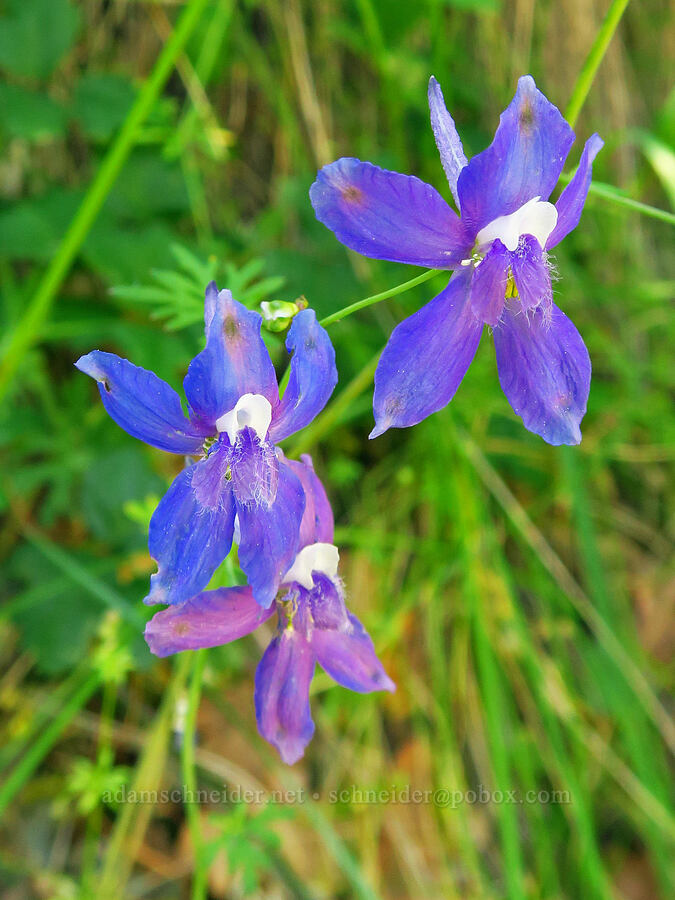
column 517, row 592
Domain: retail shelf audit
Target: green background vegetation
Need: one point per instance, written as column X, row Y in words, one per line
column 520, row 595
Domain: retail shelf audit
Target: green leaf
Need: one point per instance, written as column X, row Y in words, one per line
column 35, row 34
column 57, row 629
column 101, row 103
column 32, row 229
column 29, row 114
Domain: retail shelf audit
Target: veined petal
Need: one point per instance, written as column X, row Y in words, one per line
column 234, row 362
column 210, row 619
column 488, row 284
column 447, row 140
column 255, row 469
column 523, row 161
column 425, row 359
column 141, row 403
column 571, row 201
column 317, row 520
column 282, row 682
column 544, row 370
column 312, row 380
column 386, row 215
column 341, row 643
column 191, row 530
column 349, row 657
column 531, row 274
column 269, row 536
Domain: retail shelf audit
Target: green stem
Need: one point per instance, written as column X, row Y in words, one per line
column 104, row 759
column 593, row 60
column 489, row 675
column 37, row 752
column 199, row 883
column 608, row 192
column 331, row 414
column 376, row 298
column 28, row 329
column 133, row 817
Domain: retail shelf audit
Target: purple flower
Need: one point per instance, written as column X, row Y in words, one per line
column 236, row 417
column 499, row 248
column 314, row 625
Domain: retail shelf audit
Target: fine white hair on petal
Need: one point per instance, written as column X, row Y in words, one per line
column 317, row 557
column 536, row 217
column 252, row 410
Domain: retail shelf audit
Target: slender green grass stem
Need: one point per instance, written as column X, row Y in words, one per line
column 29, row 327
column 490, row 678
column 376, row 298
column 199, row 882
column 44, row 743
column 570, row 588
column 614, row 195
column 103, row 760
column 593, row 60
column 133, row 819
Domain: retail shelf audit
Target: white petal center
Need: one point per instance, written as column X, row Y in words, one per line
column 252, row 410
column 322, row 558
column 536, row 217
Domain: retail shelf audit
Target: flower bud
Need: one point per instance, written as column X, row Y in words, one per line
column 278, row 314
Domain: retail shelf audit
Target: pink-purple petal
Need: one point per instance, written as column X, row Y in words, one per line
column 447, row 140
column 488, row 284
column 269, row 536
column 191, row 530
column 544, row 370
column 312, row 380
column 348, row 656
column 523, row 161
column 234, row 362
column 141, row 403
column 210, row 619
column 426, row 358
column 282, row 682
column 341, row 643
column 571, row 202
column 317, row 519
column 386, row 215
column 531, row 273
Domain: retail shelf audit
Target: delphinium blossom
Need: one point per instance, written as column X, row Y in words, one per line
column 240, row 481
column 314, row 625
column 499, row 249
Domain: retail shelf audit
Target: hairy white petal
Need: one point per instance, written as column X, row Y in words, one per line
column 253, row 410
column 536, row 217
column 322, row 558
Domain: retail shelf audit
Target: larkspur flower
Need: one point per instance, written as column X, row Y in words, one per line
column 314, row 625
column 499, row 249
column 240, row 482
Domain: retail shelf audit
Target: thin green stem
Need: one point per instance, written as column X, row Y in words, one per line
column 327, row 420
column 37, row 752
column 593, row 60
column 28, row 329
column 133, row 819
column 104, row 759
column 376, row 298
column 608, row 192
column 199, row 882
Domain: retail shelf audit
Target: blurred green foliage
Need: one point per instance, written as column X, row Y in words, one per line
column 520, row 595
